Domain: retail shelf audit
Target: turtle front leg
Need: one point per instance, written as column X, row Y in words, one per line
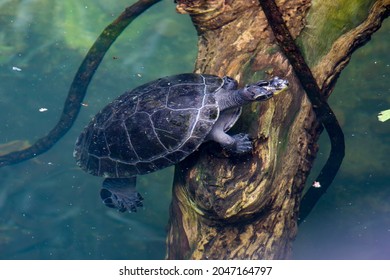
column 236, row 144
column 242, row 143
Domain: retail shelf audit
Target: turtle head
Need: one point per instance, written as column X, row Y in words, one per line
column 264, row 90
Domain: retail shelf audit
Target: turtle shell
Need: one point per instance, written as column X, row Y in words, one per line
column 151, row 127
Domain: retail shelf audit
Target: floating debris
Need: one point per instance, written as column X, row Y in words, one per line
column 42, row 110
column 14, row 68
column 316, row 184
column 384, row 115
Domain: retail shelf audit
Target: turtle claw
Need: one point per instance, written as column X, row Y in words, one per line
column 243, row 144
column 120, row 193
column 120, row 201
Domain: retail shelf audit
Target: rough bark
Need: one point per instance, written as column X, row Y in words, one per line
column 247, row 208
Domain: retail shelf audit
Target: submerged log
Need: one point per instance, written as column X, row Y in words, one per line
column 247, row 208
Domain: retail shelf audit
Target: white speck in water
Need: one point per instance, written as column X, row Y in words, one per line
column 42, row 110
column 16, row 68
column 316, row 184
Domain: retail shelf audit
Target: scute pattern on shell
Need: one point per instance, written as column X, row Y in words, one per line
column 151, row 127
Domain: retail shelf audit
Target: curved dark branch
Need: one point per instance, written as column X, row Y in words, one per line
column 80, row 84
column 321, row 108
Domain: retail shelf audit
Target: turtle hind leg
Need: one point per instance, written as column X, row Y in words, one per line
column 120, row 193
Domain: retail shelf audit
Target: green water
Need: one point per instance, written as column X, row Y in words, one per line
column 49, row 209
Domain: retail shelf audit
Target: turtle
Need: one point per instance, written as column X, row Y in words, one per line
column 160, row 123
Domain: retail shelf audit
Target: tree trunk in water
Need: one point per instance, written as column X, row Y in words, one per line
column 247, row 207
